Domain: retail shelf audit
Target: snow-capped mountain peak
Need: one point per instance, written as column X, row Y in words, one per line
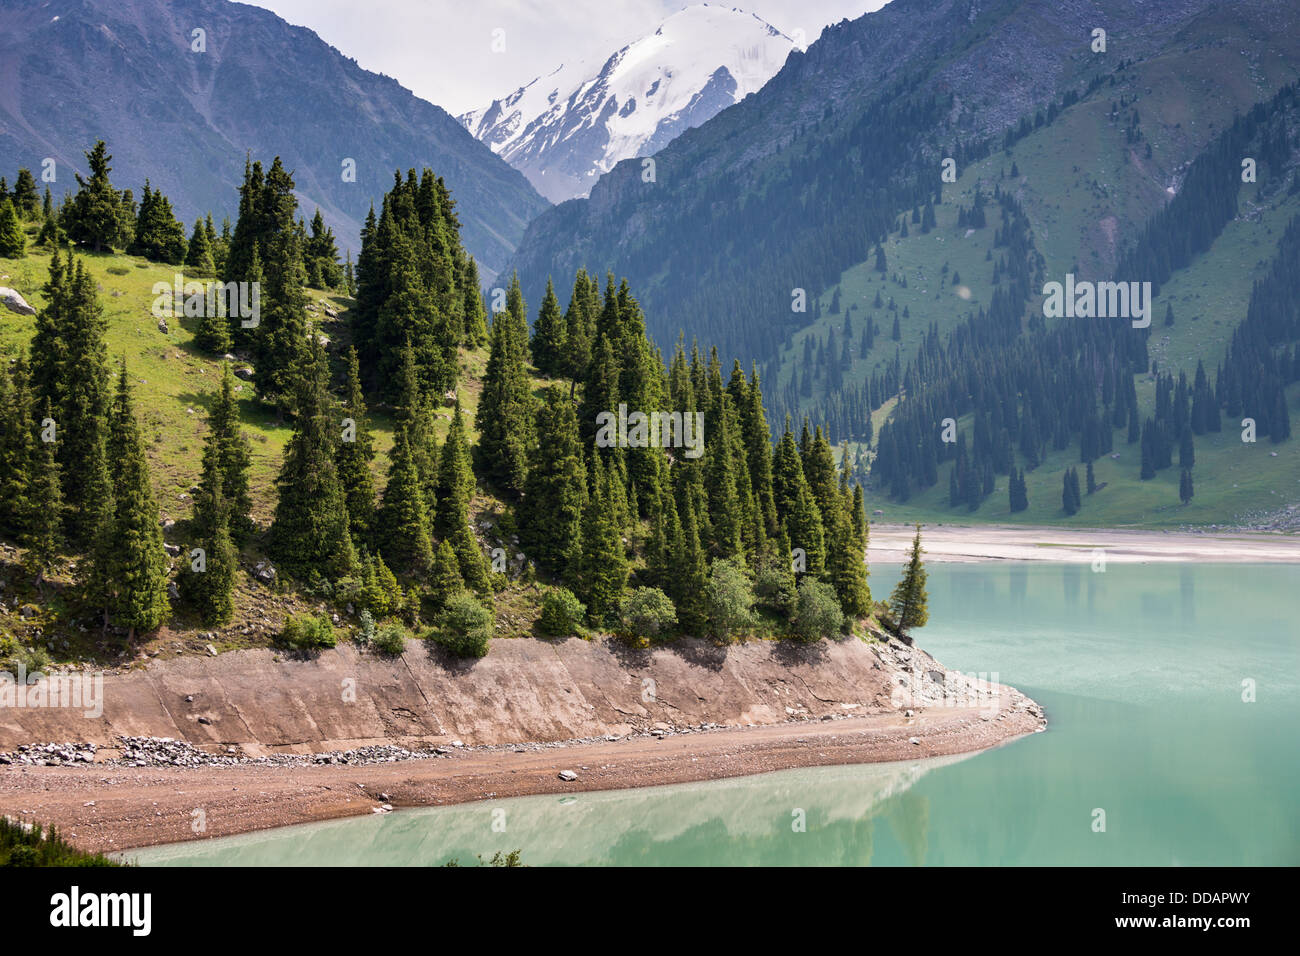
column 565, row 129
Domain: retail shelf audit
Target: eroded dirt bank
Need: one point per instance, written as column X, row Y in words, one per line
column 523, row 691
column 523, row 714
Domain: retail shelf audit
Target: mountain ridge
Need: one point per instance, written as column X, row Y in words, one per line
column 254, row 66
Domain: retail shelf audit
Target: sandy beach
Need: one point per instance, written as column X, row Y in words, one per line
column 890, row 544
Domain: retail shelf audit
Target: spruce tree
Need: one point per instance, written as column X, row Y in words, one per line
column 555, row 490
column 445, row 580
column 548, row 335
column 604, row 563
column 280, row 338
column 354, row 456
column 69, row 370
column 13, row 242
column 18, row 453
column 27, row 201
column 474, row 315
column 455, row 488
column 309, row 535
column 909, row 603
column 226, row 453
column 198, row 257
column 403, row 519
column 208, row 581
column 97, row 217
column 846, row 565
column 505, row 413
column 134, row 567
column 43, row 528
column 1185, row 489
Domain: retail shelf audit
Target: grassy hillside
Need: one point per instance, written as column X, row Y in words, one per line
column 1087, row 187
column 173, row 384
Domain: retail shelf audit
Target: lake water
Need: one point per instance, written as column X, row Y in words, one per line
column 1141, row 670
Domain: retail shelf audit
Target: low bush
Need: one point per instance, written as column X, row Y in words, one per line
column 818, row 613
column 562, row 614
column 647, row 613
column 392, row 637
column 464, row 626
column 305, row 632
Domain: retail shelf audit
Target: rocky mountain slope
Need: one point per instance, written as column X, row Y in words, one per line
column 73, row 71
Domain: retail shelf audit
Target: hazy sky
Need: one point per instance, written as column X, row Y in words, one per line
column 442, row 49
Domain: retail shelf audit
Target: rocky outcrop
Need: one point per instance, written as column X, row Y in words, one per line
column 12, row 300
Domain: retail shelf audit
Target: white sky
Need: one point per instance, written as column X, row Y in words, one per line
column 442, row 49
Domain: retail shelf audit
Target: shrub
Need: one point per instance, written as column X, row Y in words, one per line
column 366, row 635
column 729, row 599
column 464, row 626
column 774, row 590
column 562, row 613
column 392, row 638
column 305, row 632
column 818, row 612
column 26, row 844
column 647, row 613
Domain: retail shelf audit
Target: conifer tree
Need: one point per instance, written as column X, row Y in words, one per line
column 226, row 452
column 455, row 488
column 796, row 505
column 97, row 216
column 354, row 455
column 208, row 582
column 505, row 413
column 280, row 338
column 1185, row 488
column 69, row 370
column 17, row 450
column 604, row 563
column 309, row 534
column 909, row 605
column 474, row 315
column 213, row 333
column 846, row 565
column 445, row 579
column 690, row 575
column 13, row 242
column 405, row 541
column 548, row 335
column 198, row 256
column 43, row 528
column 27, row 201
column 158, row 235
column 132, row 571
column 555, row 490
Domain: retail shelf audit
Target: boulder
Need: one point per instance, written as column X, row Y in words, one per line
column 14, row 302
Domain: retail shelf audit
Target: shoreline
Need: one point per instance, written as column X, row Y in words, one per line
column 890, row 544
column 114, row 808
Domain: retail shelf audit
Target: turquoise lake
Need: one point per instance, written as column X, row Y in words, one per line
column 1141, row 670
